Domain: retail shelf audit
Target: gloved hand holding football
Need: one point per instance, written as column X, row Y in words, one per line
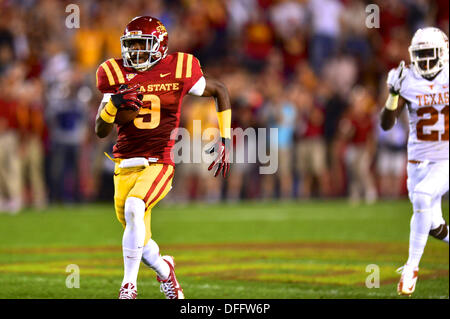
column 128, row 101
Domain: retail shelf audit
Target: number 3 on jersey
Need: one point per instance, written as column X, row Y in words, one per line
column 149, row 117
column 432, row 118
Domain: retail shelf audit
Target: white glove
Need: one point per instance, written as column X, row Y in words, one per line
column 395, row 78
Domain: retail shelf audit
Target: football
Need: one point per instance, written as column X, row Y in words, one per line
column 125, row 115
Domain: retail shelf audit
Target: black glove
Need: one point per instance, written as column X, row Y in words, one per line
column 222, row 160
column 127, row 97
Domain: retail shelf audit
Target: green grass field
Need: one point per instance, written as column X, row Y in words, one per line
column 288, row 250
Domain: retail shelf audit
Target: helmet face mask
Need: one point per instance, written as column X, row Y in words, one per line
column 426, row 59
column 140, row 52
column 429, row 51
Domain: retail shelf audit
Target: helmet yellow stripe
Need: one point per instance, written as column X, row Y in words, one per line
column 189, row 66
column 179, row 71
column 108, row 73
column 117, row 70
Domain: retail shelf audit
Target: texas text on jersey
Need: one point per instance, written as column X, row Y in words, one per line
column 163, row 88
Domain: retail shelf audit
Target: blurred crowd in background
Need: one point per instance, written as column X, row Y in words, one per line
column 310, row 68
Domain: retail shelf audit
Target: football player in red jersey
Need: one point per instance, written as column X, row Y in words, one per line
column 149, row 84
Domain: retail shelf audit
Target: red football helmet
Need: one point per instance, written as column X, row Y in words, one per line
column 146, row 31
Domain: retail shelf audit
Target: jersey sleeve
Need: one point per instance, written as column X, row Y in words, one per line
column 109, row 76
column 188, row 68
column 405, row 84
column 101, row 80
column 197, row 72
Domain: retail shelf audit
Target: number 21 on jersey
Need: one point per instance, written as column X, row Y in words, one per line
column 430, row 116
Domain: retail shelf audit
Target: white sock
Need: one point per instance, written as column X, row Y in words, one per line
column 131, row 261
column 420, row 228
column 133, row 238
column 152, row 258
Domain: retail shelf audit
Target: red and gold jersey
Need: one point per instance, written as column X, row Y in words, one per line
column 151, row 133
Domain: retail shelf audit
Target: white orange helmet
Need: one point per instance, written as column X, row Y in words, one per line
column 429, row 51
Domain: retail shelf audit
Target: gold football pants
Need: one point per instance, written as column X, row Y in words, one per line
column 149, row 183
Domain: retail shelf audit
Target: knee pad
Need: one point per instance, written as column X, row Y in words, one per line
column 134, row 210
column 421, row 202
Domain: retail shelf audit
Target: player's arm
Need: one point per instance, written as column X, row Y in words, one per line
column 209, row 87
column 388, row 117
column 105, row 114
column 395, row 103
column 104, row 121
column 219, row 92
column 125, row 97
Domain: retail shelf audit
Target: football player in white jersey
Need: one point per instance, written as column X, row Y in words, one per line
column 423, row 88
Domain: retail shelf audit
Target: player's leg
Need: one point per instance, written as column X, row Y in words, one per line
column 151, row 256
column 420, row 226
column 426, row 198
column 152, row 187
column 133, row 238
column 418, row 233
column 164, row 266
column 152, row 259
column 146, row 181
column 123, row 182
column 439, row 228
column 425, row 182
